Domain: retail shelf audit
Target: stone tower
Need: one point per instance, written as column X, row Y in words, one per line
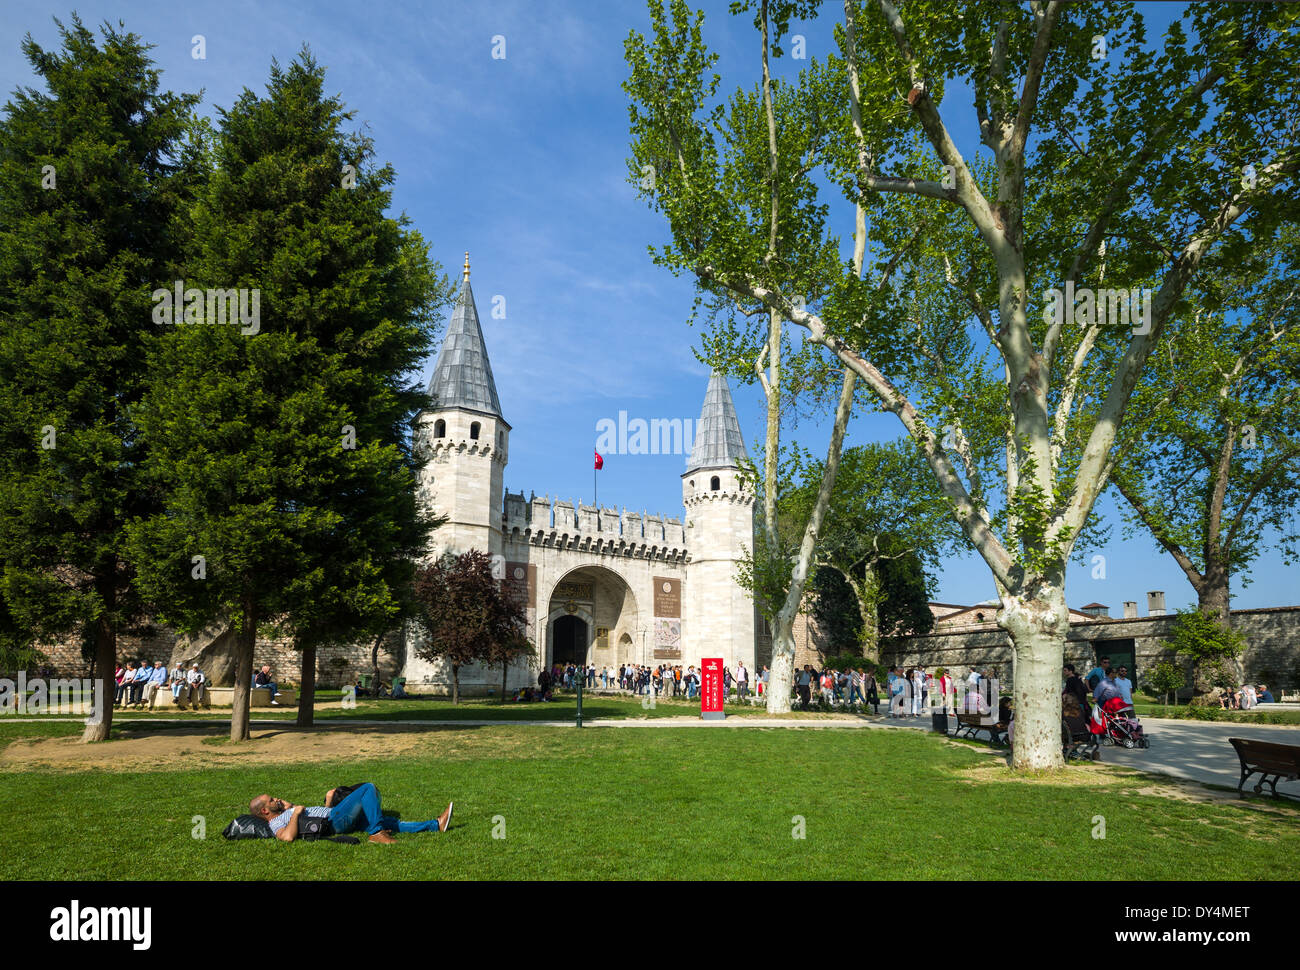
column 719, row 615
column 463, row 439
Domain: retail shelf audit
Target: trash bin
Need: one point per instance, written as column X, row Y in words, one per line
column 939, row 721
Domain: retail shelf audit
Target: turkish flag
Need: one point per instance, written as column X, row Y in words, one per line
column 600, row 462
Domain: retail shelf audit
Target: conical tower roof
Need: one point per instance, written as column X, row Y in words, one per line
column 462, row 378
column 718, row 443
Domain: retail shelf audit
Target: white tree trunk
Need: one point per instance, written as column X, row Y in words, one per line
column 1038, row 628
column 780, row 682
column 778, row 701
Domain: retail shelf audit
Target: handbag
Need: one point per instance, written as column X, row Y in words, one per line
column 312, row 827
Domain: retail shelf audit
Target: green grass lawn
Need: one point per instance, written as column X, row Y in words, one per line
column 563, row 708
column 671, row 803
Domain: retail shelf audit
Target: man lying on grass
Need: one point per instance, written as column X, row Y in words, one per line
column 359, row 810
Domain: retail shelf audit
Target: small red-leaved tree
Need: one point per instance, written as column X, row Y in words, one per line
column 465, row 615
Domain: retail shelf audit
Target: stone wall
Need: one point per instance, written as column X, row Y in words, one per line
column 1272, row 652
column 811, row 646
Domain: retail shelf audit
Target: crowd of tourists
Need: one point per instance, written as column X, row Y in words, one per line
column 666, row 680
column 906, row 692
column 836, row 688
column 139, row 684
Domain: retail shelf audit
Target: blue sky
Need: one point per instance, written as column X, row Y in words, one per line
column 521, row 161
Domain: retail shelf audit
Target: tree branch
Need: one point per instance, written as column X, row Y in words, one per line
column 970, row 517
column 1118, row 192
column 1088, row 479
column 966, row 191
column 1161, row 536
column 1034, row 75
column 1265, row 476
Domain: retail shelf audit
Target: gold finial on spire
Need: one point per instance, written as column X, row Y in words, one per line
column 467, row 266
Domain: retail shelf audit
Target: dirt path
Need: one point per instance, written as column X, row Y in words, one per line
column 203, row 747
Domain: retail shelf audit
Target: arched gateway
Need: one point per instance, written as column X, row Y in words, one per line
column 590, row 611
column 601, row 585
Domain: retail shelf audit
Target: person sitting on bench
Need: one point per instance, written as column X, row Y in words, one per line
column 142, row 674
column 359, row 811
column 263, row 679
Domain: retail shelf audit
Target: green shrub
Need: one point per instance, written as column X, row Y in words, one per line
column 1209, row 645
column 1165, row 678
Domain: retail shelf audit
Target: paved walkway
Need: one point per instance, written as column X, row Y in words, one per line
column 1199, row 751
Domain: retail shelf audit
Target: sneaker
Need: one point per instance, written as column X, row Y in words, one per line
column 275, row 703
column 444, row 820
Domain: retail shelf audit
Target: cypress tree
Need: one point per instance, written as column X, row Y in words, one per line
column 279, row 445
column 93, row 172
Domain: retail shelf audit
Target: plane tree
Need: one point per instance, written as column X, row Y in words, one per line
column 1067, row 177
column 1212, row 471
column 884, row 508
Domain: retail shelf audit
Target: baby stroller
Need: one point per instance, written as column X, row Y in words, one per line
column 1114, row 722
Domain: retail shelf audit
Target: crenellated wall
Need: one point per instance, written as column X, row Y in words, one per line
column 589, row 524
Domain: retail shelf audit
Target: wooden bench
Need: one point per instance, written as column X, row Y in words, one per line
column 1280, row 761
column 970, row 725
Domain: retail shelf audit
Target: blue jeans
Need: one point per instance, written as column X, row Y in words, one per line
column 361, row 810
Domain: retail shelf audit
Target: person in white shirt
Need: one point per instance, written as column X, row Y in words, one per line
column 742, row 680
column 1125, row 685
column 195, row 681
column 178, row 682
column 1248, row 697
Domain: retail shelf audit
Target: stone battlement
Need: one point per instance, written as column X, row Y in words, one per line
column 539, row 521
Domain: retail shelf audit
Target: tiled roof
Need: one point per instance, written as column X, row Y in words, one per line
column 462, row 378
column 718, row 443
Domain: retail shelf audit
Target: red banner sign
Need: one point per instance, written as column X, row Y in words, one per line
column 711, row 685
